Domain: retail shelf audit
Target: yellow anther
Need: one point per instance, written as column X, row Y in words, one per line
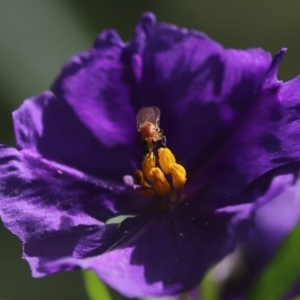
column 138, row 177
column 166, row 159
column 159, row 181
column 147, row 164
column 179, row 175
column 145, row 189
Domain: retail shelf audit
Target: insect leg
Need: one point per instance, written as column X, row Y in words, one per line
column 164, row 141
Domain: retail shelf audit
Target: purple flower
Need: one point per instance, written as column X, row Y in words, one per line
column 273, row 222
column 228, row 120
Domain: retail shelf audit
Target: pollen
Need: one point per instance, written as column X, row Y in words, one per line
column 160, row 183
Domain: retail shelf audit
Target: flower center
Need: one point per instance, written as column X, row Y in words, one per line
column 162, row 177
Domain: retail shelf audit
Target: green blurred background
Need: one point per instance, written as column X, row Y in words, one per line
column 37, row 36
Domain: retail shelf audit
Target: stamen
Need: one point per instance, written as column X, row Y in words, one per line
column 178, row 175
column 166, row 158
column 148, row 164
column 155, row 176
column 138, row 177
column 159, row 181
column 145, row 189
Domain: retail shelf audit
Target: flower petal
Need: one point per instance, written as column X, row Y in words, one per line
column 267, row 144
column 274, row 215
column 45, row 203
column 195, row 82
column 48, row 126
column 153, row 256
column 91, row 115
column 97, row 84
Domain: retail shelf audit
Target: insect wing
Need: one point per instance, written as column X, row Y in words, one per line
column 148, row 114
